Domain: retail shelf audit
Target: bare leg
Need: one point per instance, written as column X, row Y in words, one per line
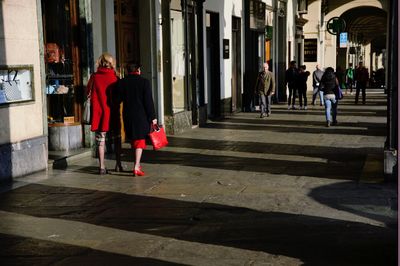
column 138, row 156
column 101, row 154
column 101, row 143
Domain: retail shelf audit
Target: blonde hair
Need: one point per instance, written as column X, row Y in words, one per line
column 106, row 60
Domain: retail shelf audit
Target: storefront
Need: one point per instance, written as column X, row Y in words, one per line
column 255, row 48
column 23, row 125
column 180, row 65
column 63, row 74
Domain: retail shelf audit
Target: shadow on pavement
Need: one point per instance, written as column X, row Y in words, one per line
column 332, row 169
column 305, row 123
column 341, row 112
column 314, row 240
column 321, row 129
column 356, row 198
column 340, row 154
column 17, row 250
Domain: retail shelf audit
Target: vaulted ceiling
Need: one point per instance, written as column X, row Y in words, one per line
column 367, row 25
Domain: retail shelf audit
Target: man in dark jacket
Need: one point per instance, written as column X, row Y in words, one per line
column 138, row 111
column 362, row 77
column 265, row 88
column 291, row 78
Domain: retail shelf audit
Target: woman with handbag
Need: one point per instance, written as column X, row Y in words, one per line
column 138, row 111
column 100, row 87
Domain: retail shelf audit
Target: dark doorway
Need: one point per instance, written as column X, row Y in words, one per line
column 236, row 65
column 192, row 75
column 213, row 66
column 127, row 32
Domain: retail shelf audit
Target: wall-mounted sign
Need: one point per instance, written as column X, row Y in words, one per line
column 16, row 84
column 310, row 50
column 225, row 52
column 343, row 40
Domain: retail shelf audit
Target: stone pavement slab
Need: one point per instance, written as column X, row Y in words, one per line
column 284, row 190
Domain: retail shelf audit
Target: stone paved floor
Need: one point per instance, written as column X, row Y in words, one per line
column 284, row 190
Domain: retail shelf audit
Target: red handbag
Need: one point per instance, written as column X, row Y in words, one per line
column 158, row 137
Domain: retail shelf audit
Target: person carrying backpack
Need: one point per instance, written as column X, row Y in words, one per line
column 350, row 79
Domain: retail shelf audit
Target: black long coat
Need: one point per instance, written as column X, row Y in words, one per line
column 138, row 107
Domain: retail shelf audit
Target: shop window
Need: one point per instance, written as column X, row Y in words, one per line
column 59, row 60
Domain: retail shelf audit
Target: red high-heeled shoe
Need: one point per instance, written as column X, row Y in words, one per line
column 138, row 172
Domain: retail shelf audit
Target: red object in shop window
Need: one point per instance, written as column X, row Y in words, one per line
column 52, row 53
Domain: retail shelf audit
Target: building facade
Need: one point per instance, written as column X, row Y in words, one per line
column 202, row 58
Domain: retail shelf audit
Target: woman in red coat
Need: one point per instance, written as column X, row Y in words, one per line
column 100, row 87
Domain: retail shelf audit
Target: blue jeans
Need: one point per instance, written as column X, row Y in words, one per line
column 316, row 91
column 265, row 104
column 330, row 106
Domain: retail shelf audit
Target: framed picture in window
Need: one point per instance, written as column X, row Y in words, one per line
column 16, row 84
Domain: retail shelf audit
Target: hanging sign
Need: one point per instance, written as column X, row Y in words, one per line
column 336, row 25
column 343, row 40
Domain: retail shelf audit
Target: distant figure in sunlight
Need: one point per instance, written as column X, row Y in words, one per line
column 362, row 77
column 317, row 76
column 302, row 86
column 265, row 88
column 329, row 85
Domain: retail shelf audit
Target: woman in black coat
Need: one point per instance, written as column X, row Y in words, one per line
column 301, row 84
column 138, row 111
column 329, row 85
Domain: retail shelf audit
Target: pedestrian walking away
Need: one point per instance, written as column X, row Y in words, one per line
column 100, row 87
column 361, row 76
column 265, row 88
column 329, row 84
column 301, row 85
column 317, row 75
column 291, row 78
column 138, row 111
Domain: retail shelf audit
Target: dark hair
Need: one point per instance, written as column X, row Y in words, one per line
column 133, row 66
column 329, row 69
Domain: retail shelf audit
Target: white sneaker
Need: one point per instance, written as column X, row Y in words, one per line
column 305, row 107
column 288, row 107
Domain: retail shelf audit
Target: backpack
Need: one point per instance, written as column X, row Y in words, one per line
column 350, row 73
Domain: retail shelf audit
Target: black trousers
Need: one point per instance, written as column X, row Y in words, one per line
column 360, row 86
column 303, row 96
column 292, row 94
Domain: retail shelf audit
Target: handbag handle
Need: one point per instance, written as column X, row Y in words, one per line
column 155, row 127
column 8, row 76
column 15, row 76
column 91, row 88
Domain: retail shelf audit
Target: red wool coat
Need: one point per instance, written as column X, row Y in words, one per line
column 100, row 87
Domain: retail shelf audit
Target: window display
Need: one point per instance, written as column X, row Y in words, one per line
column 59, row 59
